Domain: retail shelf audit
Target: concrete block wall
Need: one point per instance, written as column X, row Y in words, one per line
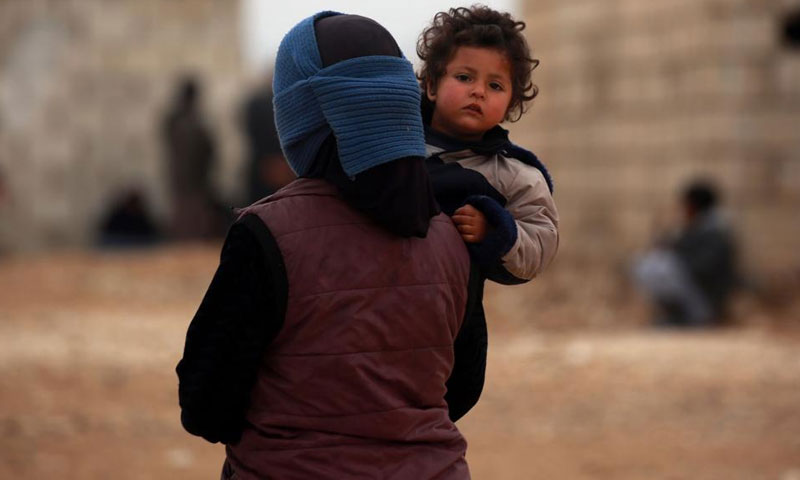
column 83, row 87
column 637, row 97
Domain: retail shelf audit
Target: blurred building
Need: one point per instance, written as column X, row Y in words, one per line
column 637, row 98
column 83, row 86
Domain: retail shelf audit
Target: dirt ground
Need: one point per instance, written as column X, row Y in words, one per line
column 577, row 388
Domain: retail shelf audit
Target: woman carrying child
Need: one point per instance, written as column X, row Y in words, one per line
column 322, row 347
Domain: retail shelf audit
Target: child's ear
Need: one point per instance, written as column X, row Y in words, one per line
column 430, row 91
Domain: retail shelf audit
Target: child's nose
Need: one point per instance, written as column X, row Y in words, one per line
column 478, row 91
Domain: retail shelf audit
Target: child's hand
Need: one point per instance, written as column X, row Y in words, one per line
column 471, row 223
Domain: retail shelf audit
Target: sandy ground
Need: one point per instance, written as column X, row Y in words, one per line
column 576, row 389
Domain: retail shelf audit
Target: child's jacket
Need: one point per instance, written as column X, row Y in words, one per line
column 520, row 245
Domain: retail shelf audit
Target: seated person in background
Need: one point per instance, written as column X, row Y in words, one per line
column 128, row 223
column 692, row 272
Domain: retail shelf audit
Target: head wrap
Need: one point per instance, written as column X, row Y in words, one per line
column 370, row 103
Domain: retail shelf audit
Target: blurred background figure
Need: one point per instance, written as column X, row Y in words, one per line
column 128, row 223
column 691, row 273
column 791, row 28
column 266, row 170
column 190, row 154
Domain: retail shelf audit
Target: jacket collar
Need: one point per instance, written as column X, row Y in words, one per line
column 494, row 141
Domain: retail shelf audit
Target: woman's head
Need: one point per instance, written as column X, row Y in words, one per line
column 347, row 111
column 365, row 37
column 344, row 74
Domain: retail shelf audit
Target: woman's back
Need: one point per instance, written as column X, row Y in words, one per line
column 353, row 385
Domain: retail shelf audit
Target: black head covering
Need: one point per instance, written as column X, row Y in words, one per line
column 397, row 195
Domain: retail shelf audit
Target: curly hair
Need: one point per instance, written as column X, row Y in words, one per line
column 476, row 26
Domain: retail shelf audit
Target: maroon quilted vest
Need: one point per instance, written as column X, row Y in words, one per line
column 353, row 386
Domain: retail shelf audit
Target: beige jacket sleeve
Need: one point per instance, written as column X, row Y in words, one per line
column 530, row 203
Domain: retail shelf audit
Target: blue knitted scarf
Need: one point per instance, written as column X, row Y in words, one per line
column 371, row 104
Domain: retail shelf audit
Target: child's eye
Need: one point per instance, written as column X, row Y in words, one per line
column 462, row 77
column 496, row 86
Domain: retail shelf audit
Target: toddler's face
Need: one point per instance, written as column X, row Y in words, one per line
column 473, row 94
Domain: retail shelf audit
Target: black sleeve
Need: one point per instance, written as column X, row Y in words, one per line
column 465, row 384
column 241, row 313
column 496, row 272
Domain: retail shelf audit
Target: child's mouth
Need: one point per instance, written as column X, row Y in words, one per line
column 473, row 108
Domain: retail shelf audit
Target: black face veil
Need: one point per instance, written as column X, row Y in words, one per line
column 397, row 194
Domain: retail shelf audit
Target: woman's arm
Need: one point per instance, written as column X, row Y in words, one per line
column 241, row 313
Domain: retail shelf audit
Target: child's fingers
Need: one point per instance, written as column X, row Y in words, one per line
column 467, row 228
column 463, row 220
column 467, row 210
column 469, row 238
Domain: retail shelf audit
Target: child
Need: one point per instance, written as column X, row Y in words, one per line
column 476, row 73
